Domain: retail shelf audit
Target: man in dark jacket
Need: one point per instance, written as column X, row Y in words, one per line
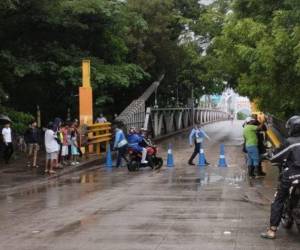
column 32, row 139
column 290, row 153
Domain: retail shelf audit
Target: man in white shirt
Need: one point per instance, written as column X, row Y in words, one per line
column 101, row 119
column 52, row 149
column 7, row 140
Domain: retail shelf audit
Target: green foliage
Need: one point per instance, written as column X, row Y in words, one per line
column 130, row 43
column 20, row 120
column 258, row 53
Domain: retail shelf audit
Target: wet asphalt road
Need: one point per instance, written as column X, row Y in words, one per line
column 184, row 207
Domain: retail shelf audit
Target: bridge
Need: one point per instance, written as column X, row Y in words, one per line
column 163, row 122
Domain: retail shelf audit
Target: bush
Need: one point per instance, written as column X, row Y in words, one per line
column 20, row 120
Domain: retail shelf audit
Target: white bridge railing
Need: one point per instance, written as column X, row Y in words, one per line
column 167, row 121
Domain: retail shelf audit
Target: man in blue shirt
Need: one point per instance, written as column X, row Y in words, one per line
column 120, row 144
column 197, row 137
column 134, row 141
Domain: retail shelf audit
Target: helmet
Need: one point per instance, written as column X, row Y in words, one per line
column 132, row 130
column 293, row 125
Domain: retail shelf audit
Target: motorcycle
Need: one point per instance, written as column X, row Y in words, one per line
column 154, row 161
column 291, row 210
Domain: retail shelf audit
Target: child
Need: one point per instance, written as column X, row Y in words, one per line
column 65, row 148
column 74, row 147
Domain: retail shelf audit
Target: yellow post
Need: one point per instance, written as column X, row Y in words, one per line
column 86, row 95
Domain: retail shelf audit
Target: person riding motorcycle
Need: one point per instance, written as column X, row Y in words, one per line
column 147, row 142
column 134, row 140
column 290, row 153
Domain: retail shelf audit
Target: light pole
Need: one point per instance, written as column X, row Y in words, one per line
column 155, row 101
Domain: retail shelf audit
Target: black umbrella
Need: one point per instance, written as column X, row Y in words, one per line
column 4, row 119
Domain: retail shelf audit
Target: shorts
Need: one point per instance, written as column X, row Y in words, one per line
column 65, row 150
column 253, row 156
column 33, row 147
column 74, row 150
column 52, row 156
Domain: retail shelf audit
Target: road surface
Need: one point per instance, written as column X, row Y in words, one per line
column 185, row 207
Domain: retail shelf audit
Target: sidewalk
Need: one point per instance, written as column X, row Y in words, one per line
column 17, row 175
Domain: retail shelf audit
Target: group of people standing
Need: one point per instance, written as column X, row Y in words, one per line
column 61, row 144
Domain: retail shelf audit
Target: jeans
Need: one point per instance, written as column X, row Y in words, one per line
column 196, row 152
column 253, row 156
column 121, row 154
column 8, row 151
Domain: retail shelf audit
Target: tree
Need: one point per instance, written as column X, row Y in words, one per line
column 258, row 53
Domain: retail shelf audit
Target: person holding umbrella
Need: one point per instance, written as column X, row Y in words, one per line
column 7, row 142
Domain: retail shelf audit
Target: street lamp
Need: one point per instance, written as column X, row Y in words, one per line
column 155, row 101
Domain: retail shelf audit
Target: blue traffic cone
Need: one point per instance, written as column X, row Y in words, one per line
column 170, row 160
column 108, row 163
column 222, row 160
column 202, row 160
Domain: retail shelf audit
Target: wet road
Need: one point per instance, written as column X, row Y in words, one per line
column 181, row 208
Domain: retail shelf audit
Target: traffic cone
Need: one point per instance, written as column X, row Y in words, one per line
column 222, row 160
column 170, row 160
column 109, row 163
column 202, row 161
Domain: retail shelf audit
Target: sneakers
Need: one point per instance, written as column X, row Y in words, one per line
column 269, row 234
column 191, row 163
column 144, row 162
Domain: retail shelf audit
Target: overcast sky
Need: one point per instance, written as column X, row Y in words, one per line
column 206, row 1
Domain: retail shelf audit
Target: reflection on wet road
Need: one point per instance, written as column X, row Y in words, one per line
column 185, row 207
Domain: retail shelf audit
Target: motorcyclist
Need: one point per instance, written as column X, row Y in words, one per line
column 146, row 140
column 290, row 153
column 134, row 140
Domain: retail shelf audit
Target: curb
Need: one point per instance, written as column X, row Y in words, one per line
column 86, row 165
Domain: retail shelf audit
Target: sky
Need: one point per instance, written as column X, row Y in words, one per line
column 206, row 1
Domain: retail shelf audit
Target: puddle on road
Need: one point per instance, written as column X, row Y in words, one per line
column 195, row 179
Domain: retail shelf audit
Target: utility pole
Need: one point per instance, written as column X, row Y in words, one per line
column 192, row 106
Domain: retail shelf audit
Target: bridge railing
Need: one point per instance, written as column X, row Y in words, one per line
column 167, row 121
